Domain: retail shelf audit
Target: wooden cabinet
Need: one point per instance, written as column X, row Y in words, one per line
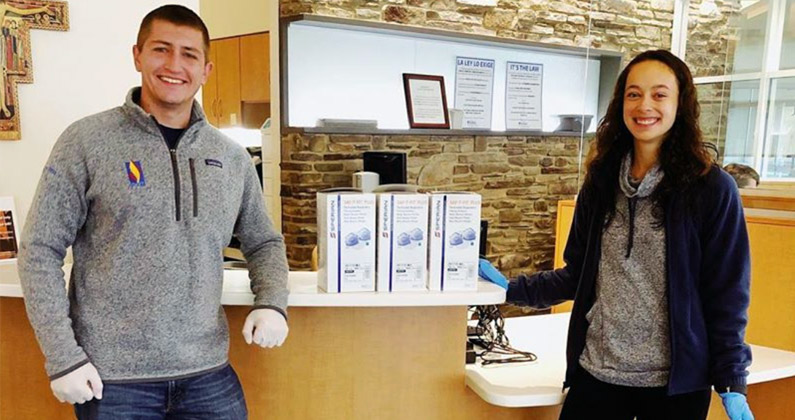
column 221, row 93
column 255, row 80
column 228, row 56
column 237, row 93
column 210, row 90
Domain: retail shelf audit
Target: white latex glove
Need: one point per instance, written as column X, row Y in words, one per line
column 78, row 386
column 265, row 327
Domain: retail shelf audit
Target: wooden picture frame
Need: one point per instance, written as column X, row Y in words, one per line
column 17, row 18
column 426, row 102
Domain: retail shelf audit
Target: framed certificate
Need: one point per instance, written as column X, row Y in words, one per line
column 426, row 101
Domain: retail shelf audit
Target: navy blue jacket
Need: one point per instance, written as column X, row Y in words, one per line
column 708, row 276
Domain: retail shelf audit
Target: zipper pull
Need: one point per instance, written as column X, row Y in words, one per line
column 195, row 187
column 175, row 171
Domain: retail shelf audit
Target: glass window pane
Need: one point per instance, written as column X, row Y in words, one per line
column 741, row 122
column 726, row 37
column 748, row 46
column 778, row 160
column 712, row 98
column 788, row 41
column 728, row 118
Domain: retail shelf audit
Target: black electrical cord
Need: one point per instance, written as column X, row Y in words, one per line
column 491, row 337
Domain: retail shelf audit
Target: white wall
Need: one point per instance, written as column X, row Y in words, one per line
column 225, row 18
column 76, row 73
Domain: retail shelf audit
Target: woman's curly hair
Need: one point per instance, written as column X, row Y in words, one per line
column 683, row 157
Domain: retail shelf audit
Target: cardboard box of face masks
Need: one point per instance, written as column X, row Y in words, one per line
column 346, row 242
column 402, row 242
column 454, row 241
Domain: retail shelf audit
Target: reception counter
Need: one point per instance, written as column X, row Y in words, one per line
column 771, row 374
column 770, row 199
column 305, row 293
column 401, row 355
column 348, row 356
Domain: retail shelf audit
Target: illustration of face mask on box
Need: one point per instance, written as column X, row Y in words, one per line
column 466, row 237
column 359, row 239
column 414, row 238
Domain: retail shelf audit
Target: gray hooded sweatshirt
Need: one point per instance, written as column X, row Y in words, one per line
column 147, row 226
column 628, row 340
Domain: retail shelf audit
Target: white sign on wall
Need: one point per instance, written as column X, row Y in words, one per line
column 523, row 96
column 474, row 87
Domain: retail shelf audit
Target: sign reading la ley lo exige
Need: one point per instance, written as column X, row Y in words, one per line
column 17, row 18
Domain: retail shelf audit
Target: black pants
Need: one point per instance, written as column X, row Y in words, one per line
column 590, row 398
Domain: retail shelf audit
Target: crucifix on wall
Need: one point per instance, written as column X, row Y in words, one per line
column 17, row 18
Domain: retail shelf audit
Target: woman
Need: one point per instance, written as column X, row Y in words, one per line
column 657, row 262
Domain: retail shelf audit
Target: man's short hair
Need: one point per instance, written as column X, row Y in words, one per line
column 177, row 15
column 744, row 175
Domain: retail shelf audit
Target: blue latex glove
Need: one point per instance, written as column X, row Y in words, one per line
column 488, row 272
column 736, row 406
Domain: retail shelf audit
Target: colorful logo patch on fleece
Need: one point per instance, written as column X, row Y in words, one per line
column 135, row 173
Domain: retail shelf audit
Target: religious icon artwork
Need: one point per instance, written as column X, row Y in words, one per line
column 17, row 18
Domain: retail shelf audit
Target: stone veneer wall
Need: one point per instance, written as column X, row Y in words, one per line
column 619, row 25
column 712, row 36
column 521, row 178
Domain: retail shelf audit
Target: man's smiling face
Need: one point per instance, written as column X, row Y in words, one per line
column 173, row 65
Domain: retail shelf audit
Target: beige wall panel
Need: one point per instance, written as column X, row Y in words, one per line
column 225, row 18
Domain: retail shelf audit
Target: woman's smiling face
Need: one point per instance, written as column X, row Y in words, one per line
column 651, row 98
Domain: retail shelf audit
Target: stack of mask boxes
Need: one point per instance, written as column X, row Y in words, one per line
column 424, row 242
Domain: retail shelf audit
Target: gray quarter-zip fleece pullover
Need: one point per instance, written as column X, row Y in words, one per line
column 147, row 226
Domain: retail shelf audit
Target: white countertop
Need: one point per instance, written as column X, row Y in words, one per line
column 304, row 292
column 540, row 383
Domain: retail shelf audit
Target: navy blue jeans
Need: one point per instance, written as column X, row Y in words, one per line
column 214, row 395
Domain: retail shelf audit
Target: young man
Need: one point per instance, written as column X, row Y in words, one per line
column 744, row 175
column 148, row 195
